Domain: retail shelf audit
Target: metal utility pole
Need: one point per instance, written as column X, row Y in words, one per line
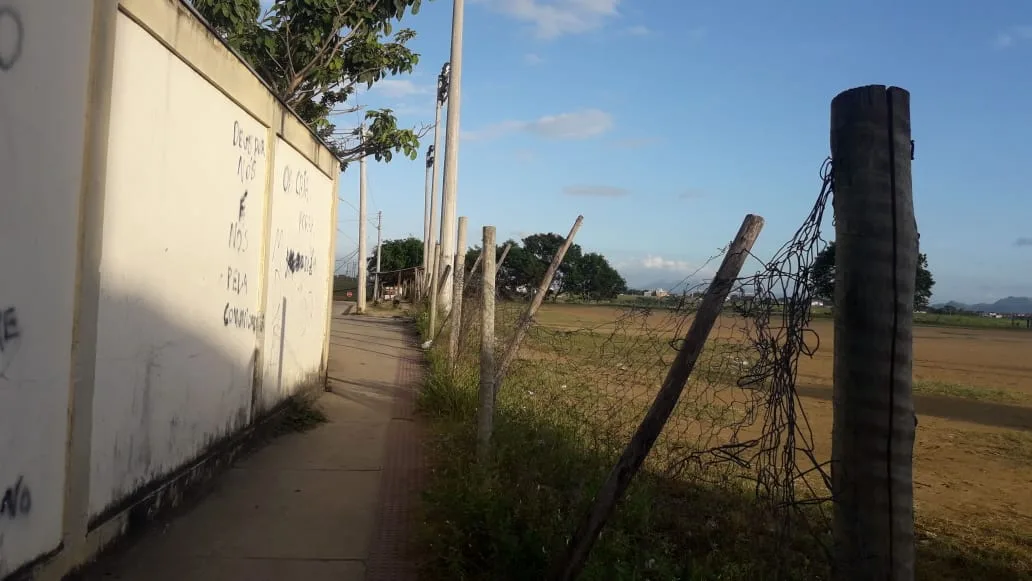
column 451, row 151
column 442, row 97
column 379, row 247
column 362, row 230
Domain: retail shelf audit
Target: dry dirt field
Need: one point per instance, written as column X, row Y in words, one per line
column 973, row 396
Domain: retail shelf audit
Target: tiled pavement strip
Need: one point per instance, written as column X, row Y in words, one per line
column 337, row 502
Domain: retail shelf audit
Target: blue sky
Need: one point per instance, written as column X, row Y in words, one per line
column 665, row 121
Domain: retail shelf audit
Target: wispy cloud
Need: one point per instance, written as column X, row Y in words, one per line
column 596, row 191
column 554, row 18
column 658, row 271
column 636, row 142
column 525, row 155
column 638, row 30
column 583, row 124
column 691, row 194
column 660, row 263
column 1011, row 36
column 1023, row 242
column 532, row 59
column 399, row 88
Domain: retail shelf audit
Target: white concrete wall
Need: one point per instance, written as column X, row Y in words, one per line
column 44, row 62
column 299, row 274
column 199, row 237
column 179, row 308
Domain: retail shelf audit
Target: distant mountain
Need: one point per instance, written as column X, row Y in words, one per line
column 1007, row 306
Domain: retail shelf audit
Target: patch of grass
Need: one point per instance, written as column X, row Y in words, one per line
column 1010, row 444
column 301, row 414
column 949, row 389
column 510, row 517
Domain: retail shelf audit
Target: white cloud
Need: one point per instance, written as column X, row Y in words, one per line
column 525, row 155
column 399, row 88
column 636, row 142
column 554, row 18
column 652, row 271
column 576, row 125
column 638, row 30
column 582, row 124
column 1012, row 36
column 659, row 263
column 596, row 191
column 532, row 59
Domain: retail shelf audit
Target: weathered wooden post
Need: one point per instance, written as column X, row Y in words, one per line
column 485, row 409
column 876, row 270
column 459, row 274
column 528, row 317
column 433, row 290
column 569, row 566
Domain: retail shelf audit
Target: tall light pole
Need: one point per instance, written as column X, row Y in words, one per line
column 451, row 152
column 442, row 97
column 362, row 229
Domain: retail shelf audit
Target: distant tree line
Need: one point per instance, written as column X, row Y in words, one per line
column 587, row 276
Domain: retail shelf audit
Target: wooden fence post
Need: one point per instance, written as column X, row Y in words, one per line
column 528, row 317
column 433, row 291
column 485, row 409
column 459, row 275
column 875, row 275
column 501, row 259
column 648, row 431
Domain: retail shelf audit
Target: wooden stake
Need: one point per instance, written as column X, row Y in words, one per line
column 528, row 317
column 485, row 409
column 648, row 431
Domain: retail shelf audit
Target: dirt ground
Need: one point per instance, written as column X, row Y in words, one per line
column 973, row 396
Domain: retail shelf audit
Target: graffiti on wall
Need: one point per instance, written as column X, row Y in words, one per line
column 12, row 33
column 296, row 183
column 10, row 337
column 250, row 158
column 16, row 501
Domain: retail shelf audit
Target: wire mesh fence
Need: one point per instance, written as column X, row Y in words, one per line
column 585, row 377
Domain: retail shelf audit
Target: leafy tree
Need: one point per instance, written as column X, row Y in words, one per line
column 398, row 255
column 593, row 278
column 540, row 250
column 316, row 53
column 588, row 275
column 822, row 278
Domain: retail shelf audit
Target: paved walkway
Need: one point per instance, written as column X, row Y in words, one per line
column 331, row 503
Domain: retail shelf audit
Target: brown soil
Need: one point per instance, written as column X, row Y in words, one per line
column 973, row 396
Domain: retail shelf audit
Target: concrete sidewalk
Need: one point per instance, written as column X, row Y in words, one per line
column 336, row 502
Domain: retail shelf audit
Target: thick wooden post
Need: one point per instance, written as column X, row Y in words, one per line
column 485, row 409
column 648, row 431
column 876, row 269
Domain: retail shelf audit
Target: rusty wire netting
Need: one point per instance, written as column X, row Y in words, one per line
column 593, row 371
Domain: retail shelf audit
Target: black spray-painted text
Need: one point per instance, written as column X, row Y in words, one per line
column 17, row 500
column 243, row 318
column 298, row 262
